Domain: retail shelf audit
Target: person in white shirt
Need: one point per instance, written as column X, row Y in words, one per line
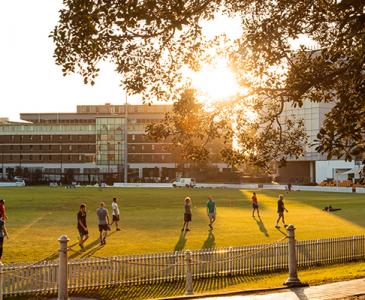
column 115, row 214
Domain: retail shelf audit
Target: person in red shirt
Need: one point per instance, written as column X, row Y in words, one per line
column 2, row 210
column 255, row 205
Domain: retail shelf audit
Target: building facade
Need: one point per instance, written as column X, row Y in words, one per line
column 96, row 143
column 313, row 167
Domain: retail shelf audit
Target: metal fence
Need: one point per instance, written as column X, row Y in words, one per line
column 42, row 277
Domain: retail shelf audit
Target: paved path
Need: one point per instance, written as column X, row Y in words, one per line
column 337, row 290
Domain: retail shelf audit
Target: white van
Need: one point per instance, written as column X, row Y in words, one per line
column 184, row 182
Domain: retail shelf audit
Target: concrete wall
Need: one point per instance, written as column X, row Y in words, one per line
column 326, row 169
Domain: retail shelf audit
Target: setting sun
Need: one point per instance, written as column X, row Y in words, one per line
column 215, row 82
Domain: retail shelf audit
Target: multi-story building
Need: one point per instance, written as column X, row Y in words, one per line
column 313, row 166
column 97, row 143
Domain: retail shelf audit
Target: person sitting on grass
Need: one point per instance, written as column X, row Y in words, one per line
column 81, row 225
column 187, row 214
column 330, row 208
column 281, row 209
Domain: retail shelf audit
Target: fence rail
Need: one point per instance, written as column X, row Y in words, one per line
column 163, row 267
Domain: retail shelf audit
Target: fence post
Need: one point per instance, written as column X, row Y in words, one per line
column 62, row 268
column 189, row 277
column 293, row 279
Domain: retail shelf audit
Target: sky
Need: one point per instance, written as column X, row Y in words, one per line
column 30, row 81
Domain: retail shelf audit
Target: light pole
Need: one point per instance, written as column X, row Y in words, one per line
column 61, row 161
column 20, row 159
column 126, row 139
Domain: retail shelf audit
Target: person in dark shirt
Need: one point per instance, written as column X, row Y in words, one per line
column 187, row 214
column 281, row 209
column 82, row 226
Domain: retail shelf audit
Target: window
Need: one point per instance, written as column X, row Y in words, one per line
column 153, row 147
column 133, row 137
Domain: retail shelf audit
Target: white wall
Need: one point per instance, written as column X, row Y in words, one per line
column 326, row 168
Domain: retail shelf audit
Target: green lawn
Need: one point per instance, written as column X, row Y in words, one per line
column 151, row 219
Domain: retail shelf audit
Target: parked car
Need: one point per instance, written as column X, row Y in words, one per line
column 184, row 182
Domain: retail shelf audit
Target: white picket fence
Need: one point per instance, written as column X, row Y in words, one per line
column 141, row 269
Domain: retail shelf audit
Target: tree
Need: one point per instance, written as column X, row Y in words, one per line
column 152, row 41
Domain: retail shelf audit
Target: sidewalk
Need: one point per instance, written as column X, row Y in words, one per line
column 352, row 289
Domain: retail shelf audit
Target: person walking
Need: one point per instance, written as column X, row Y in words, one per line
column 255, row 205
column 187, row 214
column 115, row 214
column 103, row 222
column 281, row 209
column 81, row 225
column 211, row 211
column 2, row 210
column 3, row 233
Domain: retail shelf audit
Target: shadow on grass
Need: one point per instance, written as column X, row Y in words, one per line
column 181, row 242
column 261, row 225
column 351, row 204
column 89, row 250
column 209, row 243
column 158, row 290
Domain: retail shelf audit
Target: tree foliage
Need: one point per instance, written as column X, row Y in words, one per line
column 152, row 41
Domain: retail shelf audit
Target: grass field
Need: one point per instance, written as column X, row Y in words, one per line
column 151, row 219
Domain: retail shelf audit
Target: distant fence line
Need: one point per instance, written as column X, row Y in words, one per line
column 42, row 277
column 246, row 186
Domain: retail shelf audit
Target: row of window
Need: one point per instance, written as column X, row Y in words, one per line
column 112, row 109
column 65, row 121
column 49, row 138
column 83, row 148
column 66, row 138
column 47, row 158
column 41, row 148
column 82, row 158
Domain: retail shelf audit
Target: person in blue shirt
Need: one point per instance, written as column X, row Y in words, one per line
column 3, row 233
column 211, row 211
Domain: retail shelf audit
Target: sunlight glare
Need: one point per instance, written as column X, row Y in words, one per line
column 215, row 83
